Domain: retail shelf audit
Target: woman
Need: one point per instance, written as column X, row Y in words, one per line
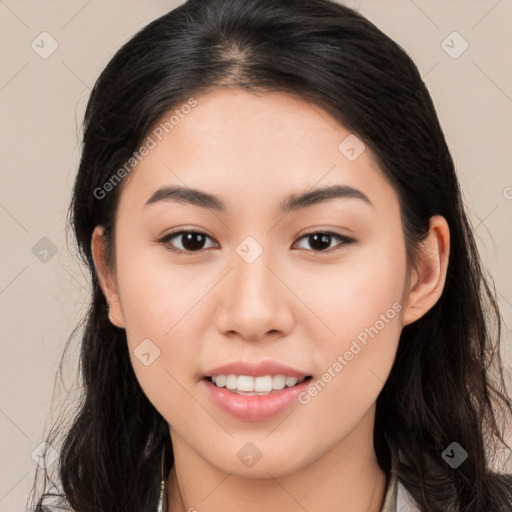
column 289, row 311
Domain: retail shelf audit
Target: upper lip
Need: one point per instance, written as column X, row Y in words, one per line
column 256, row 369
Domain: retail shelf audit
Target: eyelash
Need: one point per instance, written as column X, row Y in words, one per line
column 345, row 240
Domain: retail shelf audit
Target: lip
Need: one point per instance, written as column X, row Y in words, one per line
column 258, row 369
column 253, row 407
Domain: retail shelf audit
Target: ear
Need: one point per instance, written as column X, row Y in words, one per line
column 105, row 277
column 427, row 282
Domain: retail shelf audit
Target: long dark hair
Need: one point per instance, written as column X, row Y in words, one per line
column 447, row 383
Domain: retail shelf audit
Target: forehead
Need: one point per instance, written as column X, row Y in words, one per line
column 251, row 149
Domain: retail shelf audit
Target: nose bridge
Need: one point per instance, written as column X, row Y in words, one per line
column 253, row 301
column 251, row 277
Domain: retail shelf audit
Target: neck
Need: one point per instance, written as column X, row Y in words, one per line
column 347, row 477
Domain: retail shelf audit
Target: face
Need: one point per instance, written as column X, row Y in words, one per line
column 256, row 284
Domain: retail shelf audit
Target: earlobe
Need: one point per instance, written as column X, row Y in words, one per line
column 427, row 282
column 105, row 277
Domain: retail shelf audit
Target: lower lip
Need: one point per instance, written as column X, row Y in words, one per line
column 254, row 407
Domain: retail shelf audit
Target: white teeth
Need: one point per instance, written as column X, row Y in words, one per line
column 245, row 383
column 262, row 384
column 231, row 381
column 278, row 381
column 248, row 384
column 291, row 381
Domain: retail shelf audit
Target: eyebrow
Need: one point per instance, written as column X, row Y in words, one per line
column 293, row 202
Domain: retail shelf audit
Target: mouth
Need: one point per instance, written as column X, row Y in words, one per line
column 255, row 386
column 244, row 402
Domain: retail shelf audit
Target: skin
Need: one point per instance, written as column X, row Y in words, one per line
column 291, row 304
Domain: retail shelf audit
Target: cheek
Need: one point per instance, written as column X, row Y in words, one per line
column 162, row 325
column 171, row 317
column 360, row 305
column 162, row 329
column 353, row 366
column 154, row 292
column 355, row 293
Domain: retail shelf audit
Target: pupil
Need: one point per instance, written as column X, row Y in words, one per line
column 192, row 245
column 323, row 238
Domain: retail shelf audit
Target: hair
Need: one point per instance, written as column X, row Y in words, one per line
column 447, row 382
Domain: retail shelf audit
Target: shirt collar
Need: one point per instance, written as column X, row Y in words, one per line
column 390, row 499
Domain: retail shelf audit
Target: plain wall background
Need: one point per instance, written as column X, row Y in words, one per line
column 42, row 101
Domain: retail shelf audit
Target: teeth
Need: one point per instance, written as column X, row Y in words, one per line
column 278, row 381
column 231, row 381
column 248, row 384
column 291, row 381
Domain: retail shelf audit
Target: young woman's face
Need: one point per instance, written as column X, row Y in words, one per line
column 254, row 287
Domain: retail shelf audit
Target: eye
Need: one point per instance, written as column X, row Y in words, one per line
column 194, row 241
column 320, row 241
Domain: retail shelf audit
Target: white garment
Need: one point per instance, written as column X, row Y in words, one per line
column 405, row 502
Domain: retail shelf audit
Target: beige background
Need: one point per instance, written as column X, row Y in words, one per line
column 41, row 107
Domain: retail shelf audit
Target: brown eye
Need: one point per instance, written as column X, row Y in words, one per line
column 320, row 241
column 191, row 241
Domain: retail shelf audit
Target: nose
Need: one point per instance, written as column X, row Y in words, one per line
column 254, row 300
